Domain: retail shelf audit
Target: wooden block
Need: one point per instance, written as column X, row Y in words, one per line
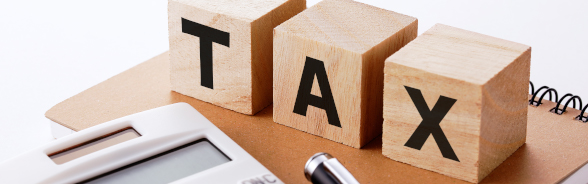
column 455, row 102
column 329, row 65
column 221, row 50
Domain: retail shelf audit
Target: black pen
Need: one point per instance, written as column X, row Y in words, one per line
column 322, row 168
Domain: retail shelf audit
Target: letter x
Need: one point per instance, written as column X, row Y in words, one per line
column 430, row 123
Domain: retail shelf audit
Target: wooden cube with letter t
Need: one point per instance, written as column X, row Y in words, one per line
column 329, row 68
column 221, row 50
column 455, row 102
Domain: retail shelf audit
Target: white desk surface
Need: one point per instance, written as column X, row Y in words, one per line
column 52, row 50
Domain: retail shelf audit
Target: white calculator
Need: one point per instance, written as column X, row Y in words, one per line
column 170, row 144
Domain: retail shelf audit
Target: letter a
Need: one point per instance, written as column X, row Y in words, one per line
column 207, row 35
column 314, row 67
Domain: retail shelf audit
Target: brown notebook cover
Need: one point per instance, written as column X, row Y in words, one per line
column 555, row 147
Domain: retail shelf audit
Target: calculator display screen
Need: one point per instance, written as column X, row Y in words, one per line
column 168, row 166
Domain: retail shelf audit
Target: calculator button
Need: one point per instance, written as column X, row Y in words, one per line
column 262, row 179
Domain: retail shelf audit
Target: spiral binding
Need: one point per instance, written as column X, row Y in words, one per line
column 552, row 92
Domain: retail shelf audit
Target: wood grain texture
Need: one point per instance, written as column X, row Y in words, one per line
column 242, row 72
column 489, row 79
column 554, row 147
column 353, row 47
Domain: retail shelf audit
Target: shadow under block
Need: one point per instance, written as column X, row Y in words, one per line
column 328, row 68
column 221, row 50
column 458, row 96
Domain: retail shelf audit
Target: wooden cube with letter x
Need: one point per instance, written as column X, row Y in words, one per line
column 455, row 102
column 221, row 50
column 329, row 68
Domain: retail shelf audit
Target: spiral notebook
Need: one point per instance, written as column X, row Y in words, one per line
column 562, row 104
column 566, row 126
column 556, row 143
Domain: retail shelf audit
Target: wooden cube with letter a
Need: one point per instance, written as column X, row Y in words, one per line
column 455, row 102
column 221, row 50
column 329, row 68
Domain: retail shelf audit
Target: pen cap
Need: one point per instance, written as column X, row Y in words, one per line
column 322, row 168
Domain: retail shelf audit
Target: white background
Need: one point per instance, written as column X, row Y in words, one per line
column 52, row 50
